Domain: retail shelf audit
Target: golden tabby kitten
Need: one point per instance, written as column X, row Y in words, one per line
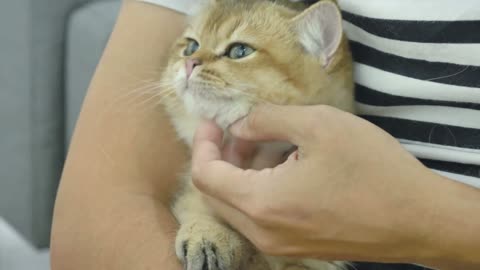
column 234, row 55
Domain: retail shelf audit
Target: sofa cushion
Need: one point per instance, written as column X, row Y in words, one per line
column 32, row 35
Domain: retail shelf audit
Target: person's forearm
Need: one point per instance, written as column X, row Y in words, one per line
column 111, row 210
column 452, row 224
column 456, row 227
column 121, row 231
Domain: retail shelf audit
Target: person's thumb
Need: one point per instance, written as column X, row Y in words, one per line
column 212, row 175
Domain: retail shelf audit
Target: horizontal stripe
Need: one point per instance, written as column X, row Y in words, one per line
column 428, row 132
column 384, row 266
column 428, row 10
column 372, row 97
column 418, row 31
column 445, row 73
column 471, row 181
column 394, row 84
column 442, row 152
column 461, row 54
column 451, row 167
column 436, row 115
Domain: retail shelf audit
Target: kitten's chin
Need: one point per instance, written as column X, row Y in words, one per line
column 224, row 111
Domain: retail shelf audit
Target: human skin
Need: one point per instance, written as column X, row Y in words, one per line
column 112, row 207
column 351, row 192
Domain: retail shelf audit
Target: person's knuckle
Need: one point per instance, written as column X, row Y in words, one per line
column 318, row 121
column 195, row 170
column 254, row 211
column 313, row 128
column 321, row 112
column 257, row 211
column 252, row 120
column 197, row 175
column 265, row 242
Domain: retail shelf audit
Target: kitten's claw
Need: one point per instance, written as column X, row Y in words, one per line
column 201, row 256
column 210, row 247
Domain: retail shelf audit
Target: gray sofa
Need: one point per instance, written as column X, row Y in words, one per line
column 48, row 51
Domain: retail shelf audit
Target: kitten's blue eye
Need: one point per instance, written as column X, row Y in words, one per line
column 192, row 47
column 239, row 50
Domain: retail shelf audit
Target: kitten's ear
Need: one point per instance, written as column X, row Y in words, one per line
column 320, row 30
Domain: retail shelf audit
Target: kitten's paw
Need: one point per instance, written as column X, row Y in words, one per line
column 210, row 246
column 201, row 256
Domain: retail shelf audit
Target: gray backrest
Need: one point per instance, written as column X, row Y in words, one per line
column 32, row 35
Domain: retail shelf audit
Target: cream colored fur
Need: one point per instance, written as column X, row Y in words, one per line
column 301, row 58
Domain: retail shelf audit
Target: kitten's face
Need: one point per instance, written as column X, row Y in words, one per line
column 234, row 56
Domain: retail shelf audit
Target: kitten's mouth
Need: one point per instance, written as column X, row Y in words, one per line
column 202, row 92
column 211, row 103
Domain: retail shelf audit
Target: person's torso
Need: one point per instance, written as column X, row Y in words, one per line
column 417, row 73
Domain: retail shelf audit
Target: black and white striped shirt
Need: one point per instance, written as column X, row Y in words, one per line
column 417, row 70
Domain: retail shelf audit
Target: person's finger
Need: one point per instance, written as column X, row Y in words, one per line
column 235, row 218
column 212, row 175
column 239, row 152
column 271, row 155
column 279, row 123
column 251, row 155
column 208, row 137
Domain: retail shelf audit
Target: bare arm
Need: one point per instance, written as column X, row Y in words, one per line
column 112, row 206
column 453, row 224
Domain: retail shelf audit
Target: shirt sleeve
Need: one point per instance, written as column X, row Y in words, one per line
column 182, row 6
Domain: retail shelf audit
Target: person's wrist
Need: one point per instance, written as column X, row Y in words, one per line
column 442, row 210
column 427, row 251
column 412, row 218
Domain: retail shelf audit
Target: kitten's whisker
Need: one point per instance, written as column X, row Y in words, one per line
column 151, row 86
column 250, row 96
column 167, row 96
column 156, row 99
column 140, row 91
column 148, row 99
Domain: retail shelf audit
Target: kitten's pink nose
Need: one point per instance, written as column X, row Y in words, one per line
column 190, row 66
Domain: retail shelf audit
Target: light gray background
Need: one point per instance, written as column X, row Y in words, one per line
column 48, row 53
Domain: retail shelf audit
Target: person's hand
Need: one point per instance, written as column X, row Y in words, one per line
column 349, row 192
